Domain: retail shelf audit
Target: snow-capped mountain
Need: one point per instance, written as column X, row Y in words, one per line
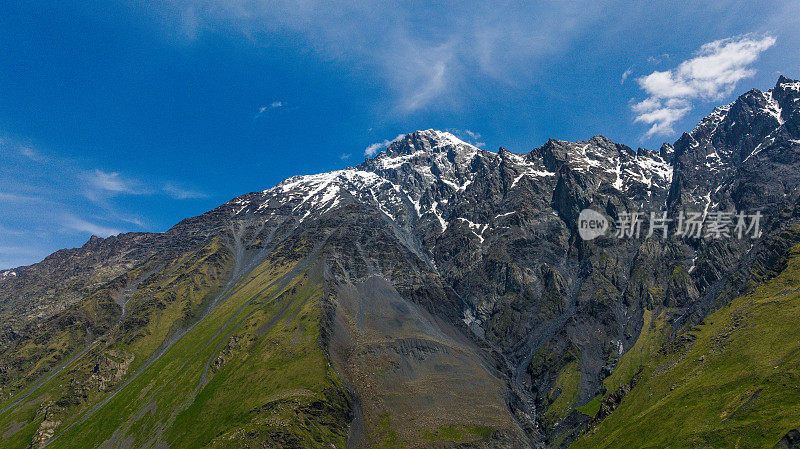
column 719, row 158
column 436, row 289
column 424, row 180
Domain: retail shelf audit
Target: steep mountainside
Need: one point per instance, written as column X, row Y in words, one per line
column 435, row 295
column 730, row 381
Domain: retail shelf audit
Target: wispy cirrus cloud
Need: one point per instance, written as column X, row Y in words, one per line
column 111, row 182
column 472, row 134
column 711, row 75
column 180, row 192
column 19, row 198
column 100, row 184
column 46, row 200
column 423, row 53
column 658, row 59
column 78, row 224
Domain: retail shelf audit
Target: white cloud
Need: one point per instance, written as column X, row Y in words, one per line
column 32, row 154
column 101, row 185
column 625, row 75
column 428, row 72
column 264, row 109
column 712, row 74
column 377, row 146
column 111, row 182
column 472, row 134
column 345, row 156
column 19, row 198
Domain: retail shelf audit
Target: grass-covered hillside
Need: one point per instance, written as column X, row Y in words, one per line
column 731, row 382
column 190, row 362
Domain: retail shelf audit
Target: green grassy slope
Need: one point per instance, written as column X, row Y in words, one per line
column 266, row 380
column 49, row 398
column 733, row 381
column 251, row 374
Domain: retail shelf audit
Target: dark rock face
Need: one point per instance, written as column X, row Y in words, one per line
column 790, row 441
column 486, row 245
column 744, row 154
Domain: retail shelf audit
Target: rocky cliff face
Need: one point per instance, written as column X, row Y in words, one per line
column 446, row 285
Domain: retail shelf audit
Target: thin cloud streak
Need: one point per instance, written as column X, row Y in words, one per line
column 178, row 192
column 100, row 185
column 625, row 75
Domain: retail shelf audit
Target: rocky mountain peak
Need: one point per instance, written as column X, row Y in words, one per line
column 786, row 94
column 413, row 269
column 785, row 84
column 427, row 141
column 666, row 151
column 597, row 154
column 427, row 172
column 735, row 130
column 731, row 139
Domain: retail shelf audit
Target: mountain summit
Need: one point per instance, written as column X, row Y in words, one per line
column 435, row 295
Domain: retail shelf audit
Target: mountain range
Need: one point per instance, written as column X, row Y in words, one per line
column 436, row 295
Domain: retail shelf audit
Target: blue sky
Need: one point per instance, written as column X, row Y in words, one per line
column 130, row 116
